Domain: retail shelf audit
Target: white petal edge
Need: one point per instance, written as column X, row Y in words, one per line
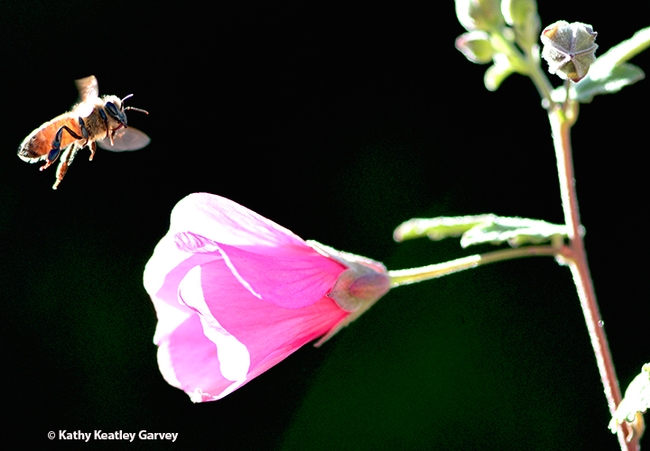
column 233, row 355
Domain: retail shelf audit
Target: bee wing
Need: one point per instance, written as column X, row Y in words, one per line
column 126, row 139
column 88, row 88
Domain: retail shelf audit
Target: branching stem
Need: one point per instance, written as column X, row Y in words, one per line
column 576, row 259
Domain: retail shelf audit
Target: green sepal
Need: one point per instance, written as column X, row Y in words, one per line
column 496, row 74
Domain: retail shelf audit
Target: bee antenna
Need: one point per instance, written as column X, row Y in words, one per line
column 133, row 108
column 136, row 109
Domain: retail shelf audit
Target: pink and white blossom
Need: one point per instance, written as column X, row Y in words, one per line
column 236, row 293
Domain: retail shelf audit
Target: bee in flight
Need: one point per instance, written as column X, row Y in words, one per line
column 93, row 119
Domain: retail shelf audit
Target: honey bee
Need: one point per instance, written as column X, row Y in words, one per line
column 93, row 119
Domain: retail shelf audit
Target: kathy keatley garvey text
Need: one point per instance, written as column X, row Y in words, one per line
column 98, row 434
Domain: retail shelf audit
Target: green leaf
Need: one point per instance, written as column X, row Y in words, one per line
column 516, row 231
column 620, row 76
column 482, row 229
column 610, row 72
column 635, row 401
column 438, row 228
column 621, row 53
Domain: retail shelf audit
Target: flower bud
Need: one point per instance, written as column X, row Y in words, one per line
column 479, row 14
column 476, row 46
column 522, row 16
column 569, row 49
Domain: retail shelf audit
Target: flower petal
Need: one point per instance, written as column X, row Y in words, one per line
column 189, row 360
column 260, row 325
column 232, row 336
column 226, row 222
column 289, row 281
column 168, row 266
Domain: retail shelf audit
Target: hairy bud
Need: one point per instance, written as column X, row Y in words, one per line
column 479, row 14
column 476, row 46
column 569, row 49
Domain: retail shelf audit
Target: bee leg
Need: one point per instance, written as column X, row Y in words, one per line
column 85, row 134
column 53, row 154
column 102, row 113
column 84, row 131
column 93, row 148
column 66, row 160
column 60, row 173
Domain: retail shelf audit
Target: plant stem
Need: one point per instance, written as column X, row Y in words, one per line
column 540, row 81
column 408, row 276
column 576, row 259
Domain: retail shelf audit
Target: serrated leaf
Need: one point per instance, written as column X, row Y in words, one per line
column 610, row 72
column 438, row 228
column 481, row 229
column 635, row 402
column 515, row 231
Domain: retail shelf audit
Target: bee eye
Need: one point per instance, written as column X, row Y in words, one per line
column 112, row 110
column 116, row 113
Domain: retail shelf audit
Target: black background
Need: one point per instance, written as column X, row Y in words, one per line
column 338, row 122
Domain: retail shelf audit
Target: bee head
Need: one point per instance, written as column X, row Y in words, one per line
column 115, row 108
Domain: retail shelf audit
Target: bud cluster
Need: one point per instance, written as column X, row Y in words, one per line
column 493, row 27
column 506, row 33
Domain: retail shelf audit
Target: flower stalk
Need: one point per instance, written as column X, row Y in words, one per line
column 413, row 275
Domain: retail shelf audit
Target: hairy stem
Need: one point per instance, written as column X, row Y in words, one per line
column 576, row 259
column 408, row 276
column 540, row 81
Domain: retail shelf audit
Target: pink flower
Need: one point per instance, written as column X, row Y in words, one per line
column 236, row 293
